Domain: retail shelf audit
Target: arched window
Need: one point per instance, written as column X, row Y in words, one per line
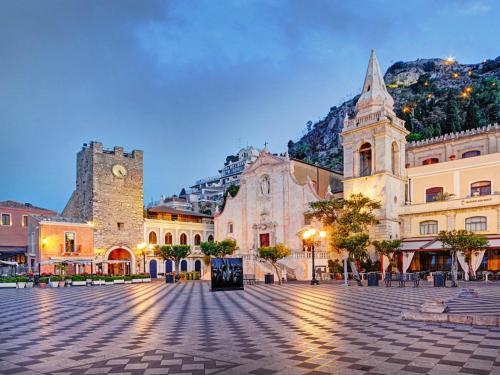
column 365, row 160
column 183, row 239
column 476, row 223
column 430, row 161
column 429, row 227
column 210, row 238
column 432, row 193
column 395, row 158
column 480, row 188
column 152, row 238
column 470, row 154
column 197, row 240
column 168, row 238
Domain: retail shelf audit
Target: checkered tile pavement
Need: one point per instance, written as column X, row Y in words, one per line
column 185, row 329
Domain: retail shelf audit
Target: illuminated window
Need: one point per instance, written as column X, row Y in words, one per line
column 152, row 238
column 69, row 242
column 184, row 239
column 429, row 227
column 365, row 160
column 476, row 223
column 168, row 238
column 480, row 188
column 433, row 193
column 470, row 154
column 430, row 161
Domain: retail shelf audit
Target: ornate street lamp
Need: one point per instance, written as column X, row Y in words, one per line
column 308, row 237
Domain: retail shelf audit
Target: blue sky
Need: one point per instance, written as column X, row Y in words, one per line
column 189, row 82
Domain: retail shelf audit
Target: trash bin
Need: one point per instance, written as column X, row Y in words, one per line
column 372, row 279
column 269, row 278
column 169, row 279
column 439, row 279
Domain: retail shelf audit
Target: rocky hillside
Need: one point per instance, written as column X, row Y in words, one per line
column 433, row 96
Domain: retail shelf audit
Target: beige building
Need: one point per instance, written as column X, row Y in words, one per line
column 445, row 183
column 169, row 226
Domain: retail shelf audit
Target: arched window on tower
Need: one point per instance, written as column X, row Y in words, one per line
column 365, row 160
column 183, row 239
column 395, row 159
column 197, row 240
column 168, row 238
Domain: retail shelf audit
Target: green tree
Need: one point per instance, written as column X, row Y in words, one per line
column 272, row 254
column 349, row 220
column 461, row 241
column 472, row 116
column 453, row 122
column 389, row 248
column 219, row 249
column 175, row 253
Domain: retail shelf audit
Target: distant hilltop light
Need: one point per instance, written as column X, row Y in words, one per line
column 449, row 60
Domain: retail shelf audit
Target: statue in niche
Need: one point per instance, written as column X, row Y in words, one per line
column 265, row 185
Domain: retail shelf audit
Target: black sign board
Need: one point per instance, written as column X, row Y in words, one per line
column 227, row 273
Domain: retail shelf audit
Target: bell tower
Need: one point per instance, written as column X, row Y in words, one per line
column 374, row 152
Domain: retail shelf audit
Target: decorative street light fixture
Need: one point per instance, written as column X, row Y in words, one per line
column 308, row 237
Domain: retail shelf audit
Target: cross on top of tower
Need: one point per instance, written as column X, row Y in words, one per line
column 374, row 96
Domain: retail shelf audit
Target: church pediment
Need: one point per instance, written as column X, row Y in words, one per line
column 264, row 159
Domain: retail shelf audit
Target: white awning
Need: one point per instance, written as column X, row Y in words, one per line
column 114, row 261
column 413, row 245
column 67, row 261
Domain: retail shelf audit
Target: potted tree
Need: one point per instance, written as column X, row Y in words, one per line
column 8, row 282
column 272, row 254
column 21, row 281
column 78, row 280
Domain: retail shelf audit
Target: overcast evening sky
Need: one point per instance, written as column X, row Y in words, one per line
column 189, row 82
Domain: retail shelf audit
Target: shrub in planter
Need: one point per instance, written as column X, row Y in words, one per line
column 137, row 278
column 21, row 281
column 42, row 282
column 128, row 279
column 146, row 277
column 108, row 280
column 8, row 282
column 54, row 281
column 78, row 280
column 182, row 276
column 119, row 279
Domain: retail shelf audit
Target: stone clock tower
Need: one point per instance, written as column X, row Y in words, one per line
column 374, row 152
column 109, row 193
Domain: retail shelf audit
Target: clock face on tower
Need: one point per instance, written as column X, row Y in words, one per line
column 119, row 170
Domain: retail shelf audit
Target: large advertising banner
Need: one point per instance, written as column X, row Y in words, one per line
column 227, row 273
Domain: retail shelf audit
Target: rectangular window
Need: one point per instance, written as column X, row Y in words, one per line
column 476, row 224
column 25, row 220
column 120, row 226
column 5, row 219
column 264, row 240
column 69, row 242
column 230, row 228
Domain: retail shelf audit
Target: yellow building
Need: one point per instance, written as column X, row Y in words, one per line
column 444, row 183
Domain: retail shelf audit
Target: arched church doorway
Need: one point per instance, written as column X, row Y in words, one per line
column 119, row 262
column 153, row 269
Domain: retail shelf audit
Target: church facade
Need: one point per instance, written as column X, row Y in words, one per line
column 269, row 208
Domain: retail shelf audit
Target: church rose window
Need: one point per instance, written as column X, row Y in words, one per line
column 365, row 160
column 431, row 194
column 480, row 188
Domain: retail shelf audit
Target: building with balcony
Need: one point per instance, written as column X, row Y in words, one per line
column 169, row 226
column 445, row 183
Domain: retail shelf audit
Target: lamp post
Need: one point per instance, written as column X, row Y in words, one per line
column 308, row 237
